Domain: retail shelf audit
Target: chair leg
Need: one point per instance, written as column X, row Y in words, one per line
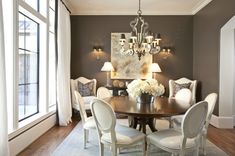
column 114, row 150
column 170, row 123
column 148, row 149
column 144, row 149
column 84, row 137
column 203, row 144
column 101, row 149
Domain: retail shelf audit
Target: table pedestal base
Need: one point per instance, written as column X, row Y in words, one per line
column 142, row 122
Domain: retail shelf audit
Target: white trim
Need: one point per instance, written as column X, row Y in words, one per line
column 222, row 122
column 28, row 8
column 90, row 12
column 30, row 122
column 226, row 69
column 20, row 142
column 199, row 6
column 234, row 121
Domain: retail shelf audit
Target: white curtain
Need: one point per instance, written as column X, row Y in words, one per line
column 4, row 150
column 63, row 66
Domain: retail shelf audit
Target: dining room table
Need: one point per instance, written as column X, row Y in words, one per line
column 144, row 114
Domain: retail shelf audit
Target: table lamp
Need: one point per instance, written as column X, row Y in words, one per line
column 155, row 69
column 107, row 67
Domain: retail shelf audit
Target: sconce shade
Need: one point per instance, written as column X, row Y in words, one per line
column 155, row 68
column 107, row 67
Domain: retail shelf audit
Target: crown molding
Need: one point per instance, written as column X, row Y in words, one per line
column 199, row 6
column 129, row 13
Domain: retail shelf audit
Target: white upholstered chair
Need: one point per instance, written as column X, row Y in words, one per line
column 103, row 92
column 87, row 122
column 115, row 136
column 211, row 99
column 186, row 140
column 183, row 96
column 86, row 99
column 183, row 81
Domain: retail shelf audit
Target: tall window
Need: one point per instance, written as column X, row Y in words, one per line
column 28, row 67
column 31, row 63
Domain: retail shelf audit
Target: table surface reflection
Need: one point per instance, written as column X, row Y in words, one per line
column 161, row 107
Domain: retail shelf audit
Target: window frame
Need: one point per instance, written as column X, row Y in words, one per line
column 15, row 127
column 38, row 66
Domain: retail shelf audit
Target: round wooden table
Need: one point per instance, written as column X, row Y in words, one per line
column 144, row 114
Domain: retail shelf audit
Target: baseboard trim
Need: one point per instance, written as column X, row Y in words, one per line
column 222, row 122
column 23, row 140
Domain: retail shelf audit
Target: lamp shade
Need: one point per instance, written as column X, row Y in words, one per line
column 155, row 68
column 107, row 67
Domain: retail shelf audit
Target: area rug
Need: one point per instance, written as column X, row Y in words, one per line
column 73, row 145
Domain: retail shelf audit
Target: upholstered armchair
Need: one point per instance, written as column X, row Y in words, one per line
column 176, row 85
column 86, row 88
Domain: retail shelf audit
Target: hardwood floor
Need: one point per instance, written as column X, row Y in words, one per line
column 223, row 138
column 47, row 143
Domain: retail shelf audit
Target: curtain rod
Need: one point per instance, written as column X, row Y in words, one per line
column 65, row 6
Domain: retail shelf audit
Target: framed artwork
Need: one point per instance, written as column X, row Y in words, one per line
column 128, row 66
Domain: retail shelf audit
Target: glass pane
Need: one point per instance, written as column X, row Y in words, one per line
column 52, row 20
column 28, row 67
column 28, row 94
column 21, row 67
column 52, row 67
column 52, row 4
column 31, row 35
column 31, row 99
column 21, row 90
column 21, row 31
column 31, row 67
column 43, row 7
column 33, row 4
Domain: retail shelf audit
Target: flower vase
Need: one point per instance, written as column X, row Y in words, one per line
column 145, row 98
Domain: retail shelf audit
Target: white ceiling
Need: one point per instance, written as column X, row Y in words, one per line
column 130, row 7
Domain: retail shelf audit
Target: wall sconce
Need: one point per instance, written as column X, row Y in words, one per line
column 97, row 51
column 107, row 67
column 166, row 51
column 155, row 69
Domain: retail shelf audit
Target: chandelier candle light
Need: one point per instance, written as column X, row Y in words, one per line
column 141, row 41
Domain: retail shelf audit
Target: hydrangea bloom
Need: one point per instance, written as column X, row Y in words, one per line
column 149, row 86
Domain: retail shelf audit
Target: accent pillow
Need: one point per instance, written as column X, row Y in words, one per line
column 86, row 89
column 178, row 86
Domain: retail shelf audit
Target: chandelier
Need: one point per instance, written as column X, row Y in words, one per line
column 141, row 41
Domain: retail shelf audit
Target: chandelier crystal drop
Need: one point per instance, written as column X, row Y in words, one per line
column 141, row 41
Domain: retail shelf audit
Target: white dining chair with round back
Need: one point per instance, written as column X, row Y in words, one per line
column 87, row 122
column 110, row 133
column 175, row 85
column 211, row 99
column 183, row 97
column 103, row 92
column 186, row 140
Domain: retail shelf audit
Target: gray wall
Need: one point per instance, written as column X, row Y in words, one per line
column 88, row 31
column 206, row 43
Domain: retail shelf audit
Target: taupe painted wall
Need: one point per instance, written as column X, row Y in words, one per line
column 88, row 31
column 207, row 24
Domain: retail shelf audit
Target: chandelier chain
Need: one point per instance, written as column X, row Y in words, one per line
column 139, row 12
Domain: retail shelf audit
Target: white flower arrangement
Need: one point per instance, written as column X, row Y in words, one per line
column 149, row 86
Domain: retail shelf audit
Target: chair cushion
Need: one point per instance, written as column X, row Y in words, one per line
column 177, row 120
column 169, row 138
column 86, row 89
column 178, row 87
column 124, row 135
column 90, row 123
column 87, row 100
